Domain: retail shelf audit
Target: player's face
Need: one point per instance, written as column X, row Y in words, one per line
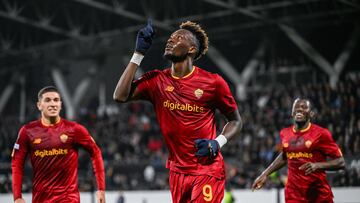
column 179, row 45
column 301, row 110
column 50, row 104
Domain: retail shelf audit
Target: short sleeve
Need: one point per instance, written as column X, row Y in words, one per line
column 144, row 85
column 328, row 146
column 225, row 101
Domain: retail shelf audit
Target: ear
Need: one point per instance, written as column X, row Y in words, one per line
column 192, row 50
column 292, row 113
column 38, row 105
column 312, row 114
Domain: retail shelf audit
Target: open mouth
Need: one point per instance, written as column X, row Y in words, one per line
column 299, row 115
column 168, row 47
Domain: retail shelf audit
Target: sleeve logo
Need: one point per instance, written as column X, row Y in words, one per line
column 16, row 146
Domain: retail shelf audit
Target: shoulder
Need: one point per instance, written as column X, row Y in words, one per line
column 70, row 123
column 212, row 78
column 208, row 74
column 320, row 129
column 150, row 75
column 323, row 134
column 286, row 130
column 30, row 125
column 75, row 126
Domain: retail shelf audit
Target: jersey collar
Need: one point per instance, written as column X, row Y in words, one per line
column 48, row 125
column 189, row 74
column 302, row 130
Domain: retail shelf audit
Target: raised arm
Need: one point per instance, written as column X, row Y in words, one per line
column 124, row 91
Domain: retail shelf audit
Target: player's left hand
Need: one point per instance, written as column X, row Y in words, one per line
column 309, row 167
column 206, row 147
column 100, row 194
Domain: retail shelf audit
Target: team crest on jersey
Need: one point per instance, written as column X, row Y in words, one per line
column 169, row 88
column 308, row 143
column 37, row 141
column 285, row 144
column 198, row 93
column 63, row 138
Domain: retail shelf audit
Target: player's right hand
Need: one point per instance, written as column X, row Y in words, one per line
column 19, row 200
column 259, row 182
column 144, row 38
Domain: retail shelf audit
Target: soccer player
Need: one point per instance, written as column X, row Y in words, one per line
column 309, row 150
column 185, row 98
column 52, row 144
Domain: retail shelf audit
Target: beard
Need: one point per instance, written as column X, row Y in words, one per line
column 174, row 58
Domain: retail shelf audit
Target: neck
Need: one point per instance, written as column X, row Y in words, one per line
column 300, row 125
column 181, row 69
column 50, row 120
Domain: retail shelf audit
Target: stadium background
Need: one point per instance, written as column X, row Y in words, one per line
column 270, row 52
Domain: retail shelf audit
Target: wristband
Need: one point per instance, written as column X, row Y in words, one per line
column 221, row 139
column 136, row 58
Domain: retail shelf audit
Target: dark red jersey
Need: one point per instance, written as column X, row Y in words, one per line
column 313, row 144
column 53, row 152
column 185, row 108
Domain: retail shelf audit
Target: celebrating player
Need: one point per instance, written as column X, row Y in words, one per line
column 52, row 143
column 185, row 98
column 305, row 147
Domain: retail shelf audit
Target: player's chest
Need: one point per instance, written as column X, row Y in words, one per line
column 201, row 92
column 299, row 142
column 51, row 138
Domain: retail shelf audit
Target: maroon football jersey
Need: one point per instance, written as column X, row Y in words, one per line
column 53, row 152
column 313, row 144
column 185, row 109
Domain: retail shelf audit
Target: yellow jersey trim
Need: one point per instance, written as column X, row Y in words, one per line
column 303, row 130
column 48, row 124
column 192, row 71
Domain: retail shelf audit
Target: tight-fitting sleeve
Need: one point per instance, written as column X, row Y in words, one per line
column 19, row 153
column 84, row 139
column 145, row 85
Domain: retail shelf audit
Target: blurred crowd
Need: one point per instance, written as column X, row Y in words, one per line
column 135, row 154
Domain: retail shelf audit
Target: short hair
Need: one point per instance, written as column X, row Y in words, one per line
column 45, row 90
column 304, row 99
column 200, row 35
